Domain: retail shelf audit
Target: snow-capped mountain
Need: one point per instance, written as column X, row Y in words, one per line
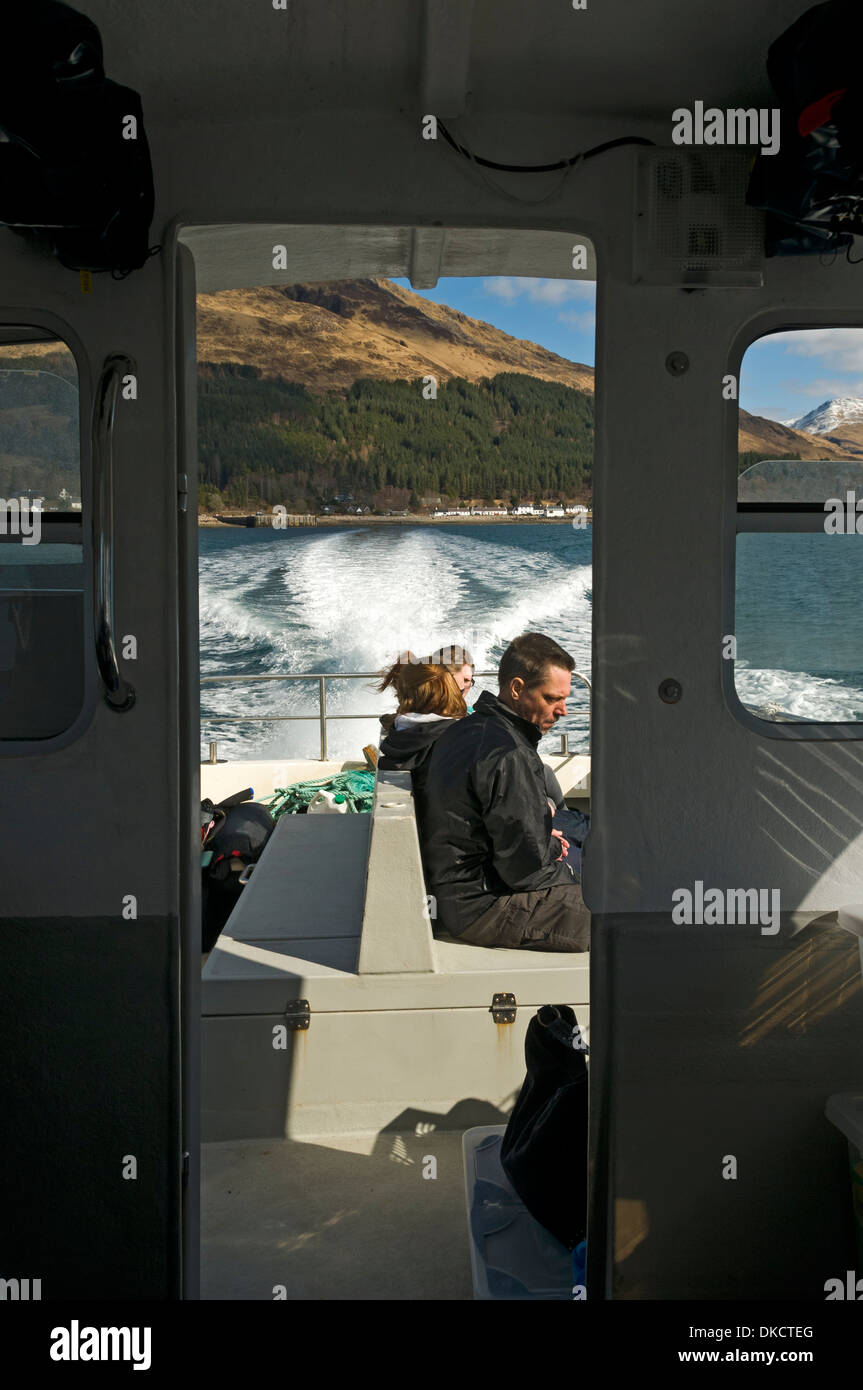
column 830, row 416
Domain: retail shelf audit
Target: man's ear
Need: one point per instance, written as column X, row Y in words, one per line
column 516, row 686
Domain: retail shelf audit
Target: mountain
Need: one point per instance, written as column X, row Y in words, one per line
column 769, row 439
column 839, row 420
column 830, row 416
column 326, row 337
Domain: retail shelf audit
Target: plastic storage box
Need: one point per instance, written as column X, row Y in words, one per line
column 511, row 1255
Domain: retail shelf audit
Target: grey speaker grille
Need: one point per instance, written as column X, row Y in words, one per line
column 694, row 225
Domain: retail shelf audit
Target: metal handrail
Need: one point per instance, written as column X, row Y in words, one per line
column 322, row 716
column 119, row 693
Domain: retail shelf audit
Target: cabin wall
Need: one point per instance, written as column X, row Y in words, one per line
column 715, row 1174
column 90, row 1025
column 687, row 791
column 118, row 771
column 711, row 1042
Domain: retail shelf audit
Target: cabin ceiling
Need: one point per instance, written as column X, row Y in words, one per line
column 223, row 60
column 521, row 80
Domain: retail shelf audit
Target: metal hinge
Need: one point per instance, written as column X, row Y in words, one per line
column 182, row 491
column 503, row 1007
column 297, row 1014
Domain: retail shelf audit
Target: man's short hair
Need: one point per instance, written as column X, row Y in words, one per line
column 530, row 656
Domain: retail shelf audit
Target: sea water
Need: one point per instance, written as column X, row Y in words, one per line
column 353, row 598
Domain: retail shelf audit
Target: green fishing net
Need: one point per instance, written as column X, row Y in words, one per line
column 357, row 787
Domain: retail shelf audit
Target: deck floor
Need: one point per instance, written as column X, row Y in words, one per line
column 343, row 1218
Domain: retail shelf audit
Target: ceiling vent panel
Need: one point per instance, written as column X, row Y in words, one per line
column 693, row 225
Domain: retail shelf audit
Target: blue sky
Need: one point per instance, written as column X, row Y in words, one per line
column 783, row 377
column 557, row 314
column 786, row 375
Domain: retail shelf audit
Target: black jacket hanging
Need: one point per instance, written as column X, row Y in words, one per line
column 75, row 172
column 544, row 1149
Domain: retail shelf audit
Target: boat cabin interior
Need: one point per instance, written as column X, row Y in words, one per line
column 261, row 1123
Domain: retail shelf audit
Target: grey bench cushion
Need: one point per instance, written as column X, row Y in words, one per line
column 308, row 883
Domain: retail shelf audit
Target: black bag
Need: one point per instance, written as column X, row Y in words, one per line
column 812, row 189
column 47, row 44
column 75, row 172
column 237, row 840
column 544, row 1149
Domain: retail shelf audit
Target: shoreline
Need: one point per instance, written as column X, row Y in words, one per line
column 211, row 523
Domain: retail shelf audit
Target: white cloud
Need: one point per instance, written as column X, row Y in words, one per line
column 839, row 348
column 828, row 388
column 504, row 287
column 539, row 291
column 583, row 321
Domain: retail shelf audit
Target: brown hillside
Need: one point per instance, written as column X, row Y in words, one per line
column 326, row 336
column 848, row 434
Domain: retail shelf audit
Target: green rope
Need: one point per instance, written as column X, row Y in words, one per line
column 357, row 787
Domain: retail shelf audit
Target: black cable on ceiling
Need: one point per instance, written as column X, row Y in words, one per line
column 539, row 168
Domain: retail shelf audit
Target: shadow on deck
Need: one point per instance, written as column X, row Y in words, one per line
column 346, row 1218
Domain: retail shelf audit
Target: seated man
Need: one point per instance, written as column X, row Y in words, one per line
column 492, row 860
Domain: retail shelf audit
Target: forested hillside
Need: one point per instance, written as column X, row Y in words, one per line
column 272, row 440
column 39, row 437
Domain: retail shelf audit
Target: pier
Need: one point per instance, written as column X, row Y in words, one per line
column 276, row 519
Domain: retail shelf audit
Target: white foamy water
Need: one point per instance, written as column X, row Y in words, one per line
column 805, row 695
column 361, row 603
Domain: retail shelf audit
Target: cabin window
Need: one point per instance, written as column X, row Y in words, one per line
column 797, row 647
column 41, row 550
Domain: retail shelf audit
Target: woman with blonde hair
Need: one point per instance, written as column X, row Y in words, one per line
column 459, row 662
column 430, row 700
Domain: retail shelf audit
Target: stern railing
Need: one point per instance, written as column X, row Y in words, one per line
column 324, row 716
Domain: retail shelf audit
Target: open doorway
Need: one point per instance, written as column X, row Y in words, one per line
column 382, row 470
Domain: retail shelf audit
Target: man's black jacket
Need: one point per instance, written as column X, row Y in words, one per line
column 486, row 828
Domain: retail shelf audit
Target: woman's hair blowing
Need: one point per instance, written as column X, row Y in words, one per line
column 424, row 688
